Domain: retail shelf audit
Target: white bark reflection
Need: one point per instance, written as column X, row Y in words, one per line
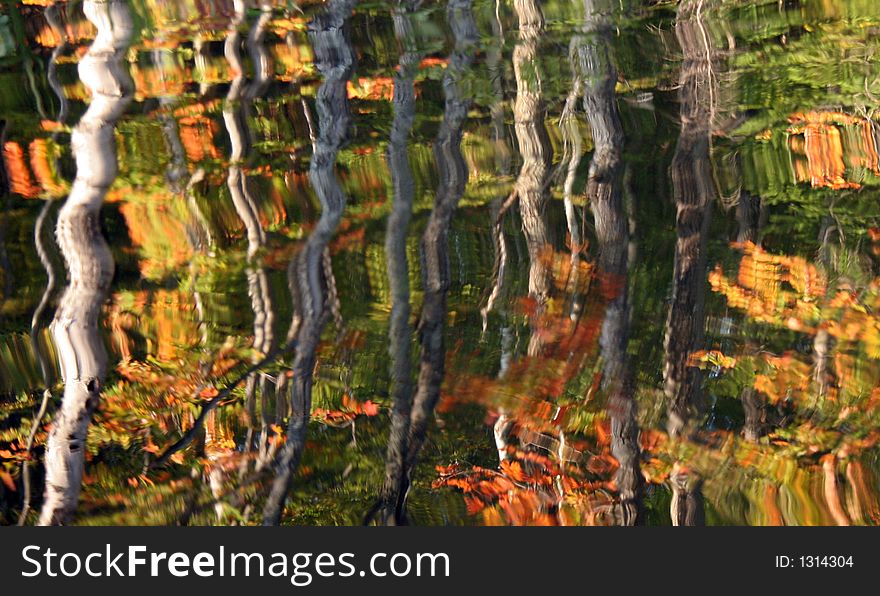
column 89, row 261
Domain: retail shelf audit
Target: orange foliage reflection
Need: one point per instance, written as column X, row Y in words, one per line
column 828, row 140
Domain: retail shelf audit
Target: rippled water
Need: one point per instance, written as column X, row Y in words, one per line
column 565, row 262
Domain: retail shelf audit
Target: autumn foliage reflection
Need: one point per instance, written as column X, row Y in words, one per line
column 441, row 262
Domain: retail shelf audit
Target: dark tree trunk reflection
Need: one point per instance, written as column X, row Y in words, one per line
column 693, row 191
column 411, row 415
column 604, row 191
column 334, row 59
column 750, row 214
column 453, row 176
column 400, row 332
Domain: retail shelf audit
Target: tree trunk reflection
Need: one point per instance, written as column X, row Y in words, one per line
column 334, row 59
column 693, row 191
column 400, row 330
column 89, row 262
column 453, row 176
column 599, row 77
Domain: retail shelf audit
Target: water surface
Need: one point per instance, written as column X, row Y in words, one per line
column 587, row 262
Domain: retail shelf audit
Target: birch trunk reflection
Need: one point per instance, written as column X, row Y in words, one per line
column 572, row 152
column 529, row 113
column 693, row 191
column 823, row 342
column 236, row 115
column 686, row 508
column 531, row 191
column 258, row 276
column 89, row 261
column 334, row 59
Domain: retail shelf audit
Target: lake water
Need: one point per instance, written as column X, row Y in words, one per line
column 587, row 262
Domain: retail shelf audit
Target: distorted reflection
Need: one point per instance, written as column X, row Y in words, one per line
column 78, row 344
column 436, row 279
column 312, row 271
column 389, row 507
column 560, row 262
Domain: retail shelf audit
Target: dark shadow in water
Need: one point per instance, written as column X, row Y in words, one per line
column 334, row 59
column 78, row 342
